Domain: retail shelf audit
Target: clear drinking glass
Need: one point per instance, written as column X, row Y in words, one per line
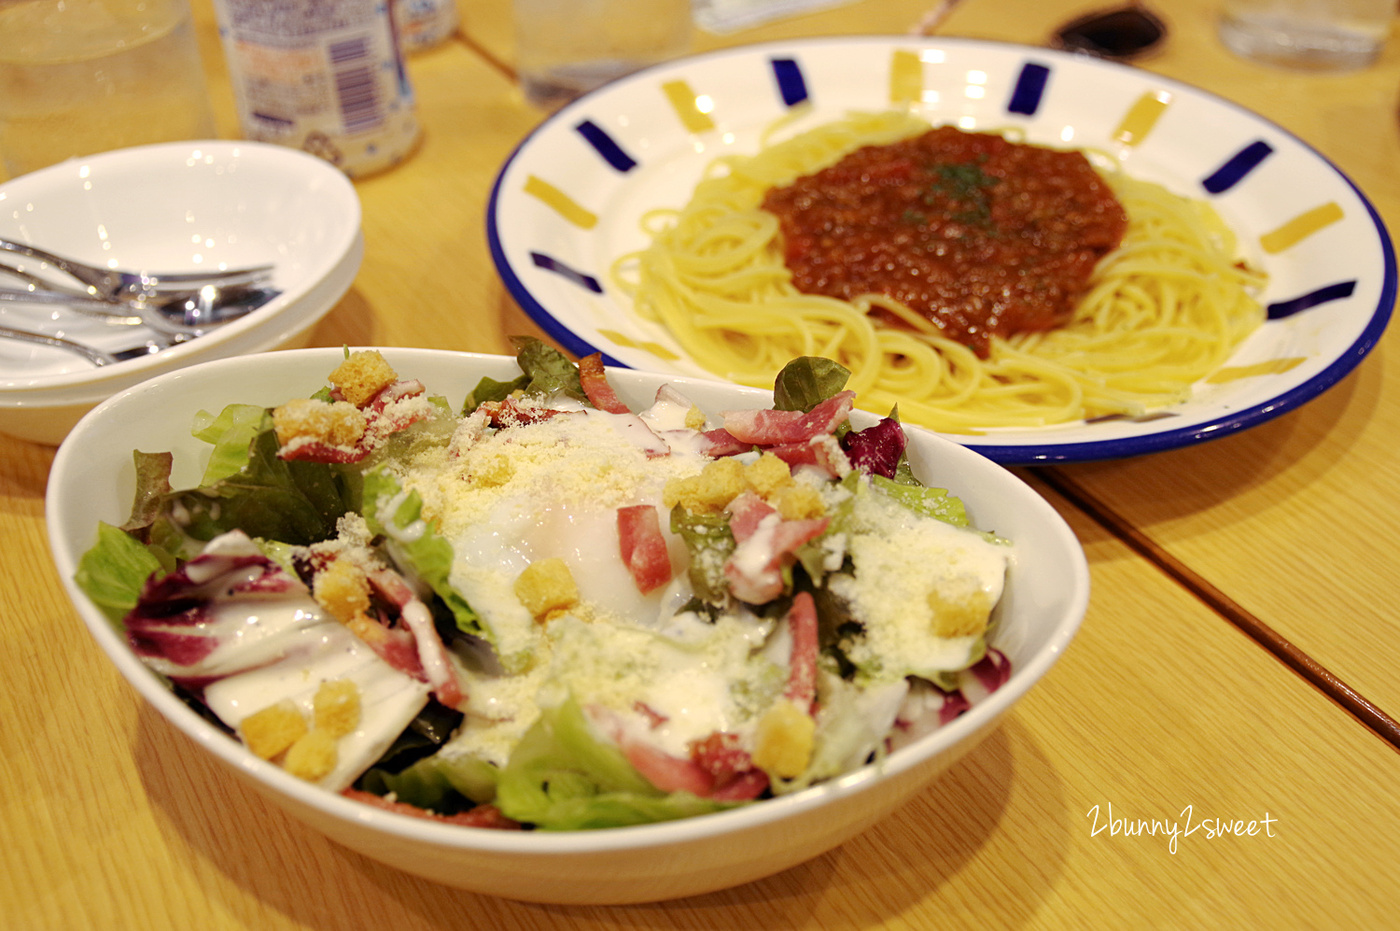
column 1317, row 34
column 85, row 76
column 565, row 48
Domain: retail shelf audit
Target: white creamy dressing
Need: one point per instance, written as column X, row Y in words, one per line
column 326, row 651
column 899, row 561
column 505, row 499
column 552, row 489
column 276, row 647
column 558, row 498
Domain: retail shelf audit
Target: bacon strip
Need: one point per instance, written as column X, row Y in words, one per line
column 718, row 767
column 735, row 776
column 720, row 442
column 766, row 544
column 802, row 675
column 821, row 451
column 643, row 546
column 668, row 773
column 771, row 428
column 510, row 413
column 435, row 668
column 596, row 387
column 316, row 451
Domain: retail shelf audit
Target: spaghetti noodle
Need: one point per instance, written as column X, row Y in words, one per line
column 1163, row 310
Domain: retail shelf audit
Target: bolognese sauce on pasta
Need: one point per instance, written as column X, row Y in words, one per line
column 978, row 234
column 972, row 280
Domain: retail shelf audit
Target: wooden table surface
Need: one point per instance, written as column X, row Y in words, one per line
column 1236, row 662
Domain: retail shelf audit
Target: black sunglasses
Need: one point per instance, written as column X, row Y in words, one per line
column 1124, row 33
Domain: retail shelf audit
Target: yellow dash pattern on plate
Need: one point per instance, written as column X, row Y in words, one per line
column 1271, row 367
column 560, row 202
column 1301, row 227
column 906, row 77
column 693, row 110
column 1141, row 117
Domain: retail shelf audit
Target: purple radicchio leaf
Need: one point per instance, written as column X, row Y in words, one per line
column 992, row 670
column 182, row 618
column 954, row 704
column 876, row 450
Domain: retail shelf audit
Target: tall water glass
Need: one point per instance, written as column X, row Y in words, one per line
column 565, row 48
column 85, row 76
column 1313, row 34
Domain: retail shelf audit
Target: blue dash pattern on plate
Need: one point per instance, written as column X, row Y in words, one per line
column 570, row 200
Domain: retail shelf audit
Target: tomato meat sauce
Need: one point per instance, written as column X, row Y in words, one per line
column 978, row 234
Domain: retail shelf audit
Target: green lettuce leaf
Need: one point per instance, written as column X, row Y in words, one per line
column 710, row 542
column 489, row 389
column 561, row 778
column 415, row 546
column 549, row 370
column 438, row 782
column 807, row 381
column 230, row 433
column 114, row 570
column 545, row 372
column 924, row 501
column 269, row 498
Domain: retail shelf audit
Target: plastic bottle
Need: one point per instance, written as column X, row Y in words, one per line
column 326, row 76
column 426, row 23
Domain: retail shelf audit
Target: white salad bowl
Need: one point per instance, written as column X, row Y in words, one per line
column 174, row 207
column 1045, row 598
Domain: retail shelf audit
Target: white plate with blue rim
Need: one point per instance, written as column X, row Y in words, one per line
column 569, row 202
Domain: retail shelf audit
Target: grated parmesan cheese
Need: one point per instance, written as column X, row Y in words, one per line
column 910, row 571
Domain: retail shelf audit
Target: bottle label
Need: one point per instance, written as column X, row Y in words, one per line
column 425, row 23
column 326, row 76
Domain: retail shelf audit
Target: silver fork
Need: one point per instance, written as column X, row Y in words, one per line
column 106, row 310
column 115, row 284
column 179, row 311
column 98, row 357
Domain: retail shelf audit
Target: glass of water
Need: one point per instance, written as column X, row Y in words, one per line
column 565, row 48
column 84, row 76
column 1315, row 34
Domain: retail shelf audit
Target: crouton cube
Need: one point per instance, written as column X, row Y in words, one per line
column 362, row 376
column 342, row 588
column 797, row 501
column 783, row 740
column 337, row 423
column 336, row 707
column 719, row 483
column 546, row 587
column 767, row 474
column 312, row 757
column 273, row 729
column 959, row 610
column 695, row 418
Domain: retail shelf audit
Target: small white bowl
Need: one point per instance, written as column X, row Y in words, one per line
column 180, row 206
column 1046, row 595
